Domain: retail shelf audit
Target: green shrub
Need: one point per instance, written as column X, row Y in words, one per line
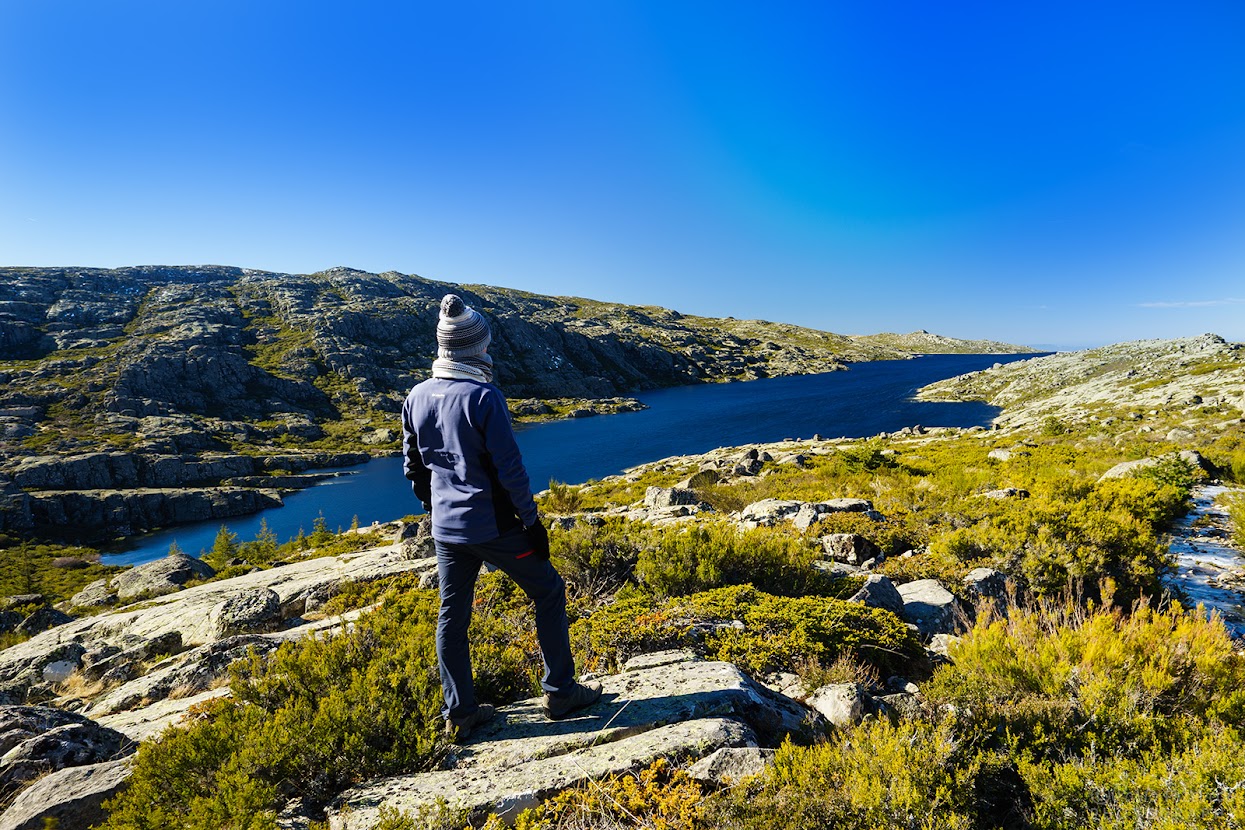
column 1052, row 427
column 562, row 498
column 1236, row 510
column 1156, row 500
column 1056, row 719
column 867, row 455
column 598, row 559
column 685, row 560
column 350, row 596
column 1058, row 679
column 1200, row 785
column 929, row 565
column 319, row 715
column 777, row 633
column 1173, row 471
column 877, row 776
column 1051, row 543
column 891, row 535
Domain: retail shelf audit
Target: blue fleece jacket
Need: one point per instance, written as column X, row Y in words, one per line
column 463, row 462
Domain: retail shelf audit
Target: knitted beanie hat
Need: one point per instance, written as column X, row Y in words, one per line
column 461, row 330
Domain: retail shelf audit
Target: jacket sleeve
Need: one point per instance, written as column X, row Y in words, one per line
column 504, row 450
column 412, row 465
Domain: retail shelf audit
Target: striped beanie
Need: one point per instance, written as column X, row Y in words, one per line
column 461, row 330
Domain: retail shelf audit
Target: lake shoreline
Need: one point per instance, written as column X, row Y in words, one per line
column 875, row 397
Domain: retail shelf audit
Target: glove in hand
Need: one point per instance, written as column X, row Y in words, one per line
column 538, row 538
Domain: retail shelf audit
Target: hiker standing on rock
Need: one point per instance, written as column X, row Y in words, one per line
column 464, row 466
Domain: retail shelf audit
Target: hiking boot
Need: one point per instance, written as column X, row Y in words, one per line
column 580, row 695
column 459, row 729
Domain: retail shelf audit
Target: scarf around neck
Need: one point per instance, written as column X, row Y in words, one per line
column 477, row 367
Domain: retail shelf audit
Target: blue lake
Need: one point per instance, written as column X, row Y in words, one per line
column 868, row 399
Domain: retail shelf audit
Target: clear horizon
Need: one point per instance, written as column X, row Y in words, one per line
column 1061, row 177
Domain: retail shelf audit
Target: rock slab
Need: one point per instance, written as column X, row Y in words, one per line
column 163, row 576
column 879, row 592
column 730, row 765
column 682, row 708
column 72, row 797
column 930, row 607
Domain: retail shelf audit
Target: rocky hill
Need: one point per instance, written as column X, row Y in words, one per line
column 1121, row 381
column 193, row 377
column 923, row 342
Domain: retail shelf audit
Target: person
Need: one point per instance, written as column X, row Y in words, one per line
column 464, row 465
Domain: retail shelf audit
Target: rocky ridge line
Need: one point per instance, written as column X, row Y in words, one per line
column 1123, row 380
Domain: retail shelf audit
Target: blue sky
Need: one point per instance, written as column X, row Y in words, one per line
column 1057, row 174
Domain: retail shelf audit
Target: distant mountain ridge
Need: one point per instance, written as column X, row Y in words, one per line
column 1120, row 381
column 923, row 342
column 275, row 357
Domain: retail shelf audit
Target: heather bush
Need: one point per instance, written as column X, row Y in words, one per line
column 600, row 558
column 891, row 535
column 657, row 796
column 596, row 559
column 318, row 715
column 562, row 497
column 1236, row 509
column 1059, row 680
column 1171, row 470
column 759, row 632
column 1050, row 543
column 875, row 776
column 1058, row 718
column 1200, row 784
column 685, row 560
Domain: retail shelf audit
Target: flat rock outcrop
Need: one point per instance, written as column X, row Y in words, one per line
column 769, row 512
column 188, row 612
column 68, row 745
column 188, row 673
column 147, row 722
column 655, row 709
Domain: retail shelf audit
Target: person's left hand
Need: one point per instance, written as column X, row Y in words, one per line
column 538, row 538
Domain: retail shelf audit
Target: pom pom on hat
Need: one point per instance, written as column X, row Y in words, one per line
column 452, row 307
column 461, row 330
